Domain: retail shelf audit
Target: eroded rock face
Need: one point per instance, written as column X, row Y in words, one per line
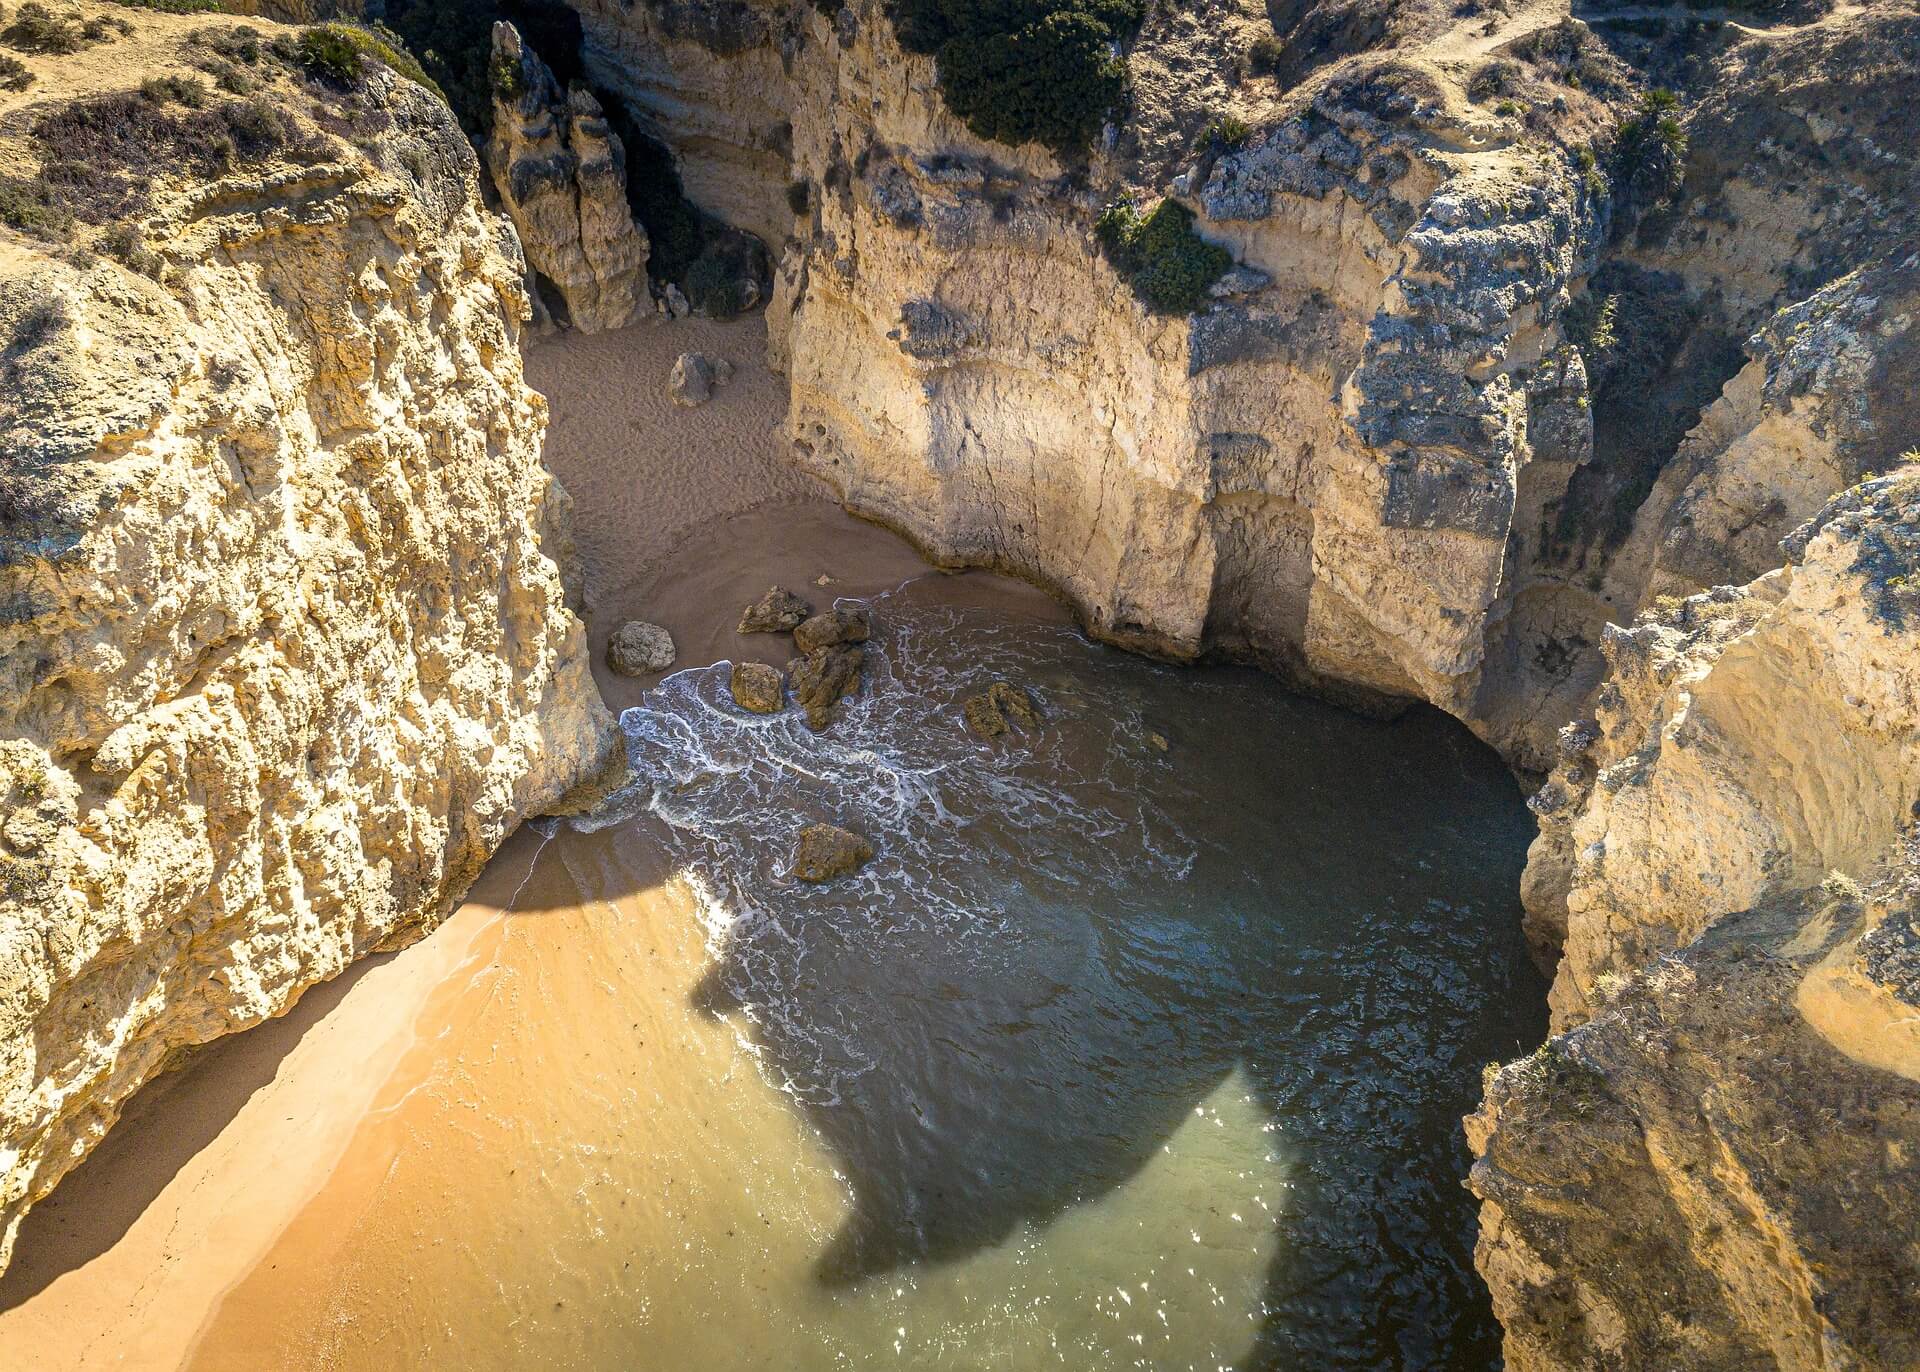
column 286, row 652
column 1729, row 1126
column 562, row 177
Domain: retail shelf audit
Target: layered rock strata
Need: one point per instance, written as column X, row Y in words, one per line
column 1717, row 1161
column 286, row 651
column 561, row 173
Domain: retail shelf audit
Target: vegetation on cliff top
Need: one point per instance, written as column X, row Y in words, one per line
column 1025, row 71
column 1168, row 265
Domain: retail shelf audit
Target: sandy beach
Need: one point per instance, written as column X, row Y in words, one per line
column 682, row 517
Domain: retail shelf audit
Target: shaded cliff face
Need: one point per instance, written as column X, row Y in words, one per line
column 561, row 174
column 1730, row 1128
column 286, row 652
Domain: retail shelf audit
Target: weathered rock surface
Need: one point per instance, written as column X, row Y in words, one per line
column 286, row 652
column 1717, row 1163
column 825, row 677
column 758, row 688
column 993, row 713
column 853, row 624
column 694, row 375
column 638, row 648
column 562, row 177
column 779, row 611
column 827, row 852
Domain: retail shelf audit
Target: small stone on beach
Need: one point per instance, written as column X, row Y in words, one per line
column 638, row 648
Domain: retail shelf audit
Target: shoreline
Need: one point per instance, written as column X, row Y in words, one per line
column 125, row 1264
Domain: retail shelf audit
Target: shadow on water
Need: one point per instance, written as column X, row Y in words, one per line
column 1066, row 944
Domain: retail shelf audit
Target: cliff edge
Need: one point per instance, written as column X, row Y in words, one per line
column 285, row 648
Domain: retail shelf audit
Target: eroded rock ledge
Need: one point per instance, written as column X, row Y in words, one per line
column 286, row 653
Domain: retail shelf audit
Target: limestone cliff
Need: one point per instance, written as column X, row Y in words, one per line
column 1717, row 1162
column 285, row 651
column 562, row 177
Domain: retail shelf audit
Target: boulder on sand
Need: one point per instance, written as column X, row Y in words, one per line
column 779, row 611
column 823, row 677
column 638, row 648
column 851, row 625
column 827, row 851
column 694, row 376
column 758, row 688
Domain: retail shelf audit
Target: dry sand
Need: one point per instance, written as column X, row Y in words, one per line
column 683, row 517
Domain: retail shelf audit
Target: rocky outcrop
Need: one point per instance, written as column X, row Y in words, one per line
column 562, row 177
column 826, row 852
column 286, row 653
column 1716, row 1163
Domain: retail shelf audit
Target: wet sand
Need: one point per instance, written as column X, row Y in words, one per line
column 682, row 517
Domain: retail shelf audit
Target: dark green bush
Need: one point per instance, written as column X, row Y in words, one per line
column 1023, row 71
column 1265, row 56
column 178, row 90
column 715, row 288
column 1168, row 265
column 327, row 54
column 14, row 75
column 31, row 205
column 35, row 29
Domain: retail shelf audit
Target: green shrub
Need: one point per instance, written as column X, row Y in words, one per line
column 31, row 205
column 177, row 6
column 14, row 75
column 1168, row 265
column 122, row 242
column 1022, row 71
column 328, row 55
column 178, row 90
column 1266, row 55
column 1226, row 134
column 715, row 289
column 35, row 29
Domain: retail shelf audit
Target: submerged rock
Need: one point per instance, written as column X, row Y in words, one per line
column 694, row 376
column 758, row 688
column 854, row 625
column 826, row 851
column 638, row 648
column 1003, row 705
column 824, row 677
column 779, row 611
